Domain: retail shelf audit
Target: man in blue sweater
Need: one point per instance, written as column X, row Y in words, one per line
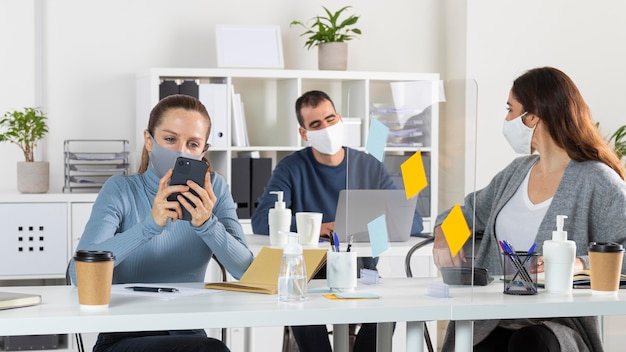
column 311, row 179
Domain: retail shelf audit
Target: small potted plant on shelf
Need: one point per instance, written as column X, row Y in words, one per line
column 25, row 128
column 330, row 36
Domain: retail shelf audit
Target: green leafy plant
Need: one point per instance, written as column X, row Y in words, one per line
column 618, row 138
column 329, row 29
column 24, row 128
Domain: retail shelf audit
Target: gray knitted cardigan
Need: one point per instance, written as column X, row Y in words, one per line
column 593, row 197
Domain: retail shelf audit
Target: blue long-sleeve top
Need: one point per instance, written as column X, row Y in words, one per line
column 308, row 185
column 121, row 222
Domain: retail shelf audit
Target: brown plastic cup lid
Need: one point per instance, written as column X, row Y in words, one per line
column 93, row 256
column 605, row 247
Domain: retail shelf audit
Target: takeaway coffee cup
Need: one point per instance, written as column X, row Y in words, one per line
column 605, row 266
column 309, row 225
column 341, row 271
column 94, row 276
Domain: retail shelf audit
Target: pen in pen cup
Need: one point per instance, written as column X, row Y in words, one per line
column 336, row 241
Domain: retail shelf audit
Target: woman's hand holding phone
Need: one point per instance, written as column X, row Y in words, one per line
column 162, row 208
column 185, row 192
column 204, row 202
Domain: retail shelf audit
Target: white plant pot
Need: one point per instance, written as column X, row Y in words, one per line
column 333, row 56
column 33, row 177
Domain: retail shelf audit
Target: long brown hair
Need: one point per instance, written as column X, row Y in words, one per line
column 176, row 101
column 554, row 98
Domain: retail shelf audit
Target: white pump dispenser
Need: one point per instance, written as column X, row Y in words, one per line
column 292, row 278
column 279, row 220
column 559, row 255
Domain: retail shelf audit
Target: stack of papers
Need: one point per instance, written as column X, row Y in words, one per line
column 582, row 280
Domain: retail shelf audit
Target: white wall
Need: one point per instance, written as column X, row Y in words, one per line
column 92, row 50
column 506, row 37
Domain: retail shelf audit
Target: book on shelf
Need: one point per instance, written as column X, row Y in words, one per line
column 262, row 274
column 214, row 96
column 240, row 133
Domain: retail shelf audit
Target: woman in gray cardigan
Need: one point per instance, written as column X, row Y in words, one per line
column 574, row 173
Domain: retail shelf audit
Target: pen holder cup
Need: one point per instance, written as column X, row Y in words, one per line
column 341, row 271
column 520, row 274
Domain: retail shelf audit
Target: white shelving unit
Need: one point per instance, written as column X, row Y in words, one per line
column 269, row 97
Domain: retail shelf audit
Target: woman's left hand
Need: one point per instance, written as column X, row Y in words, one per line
column 540, row 268
column 204, row 202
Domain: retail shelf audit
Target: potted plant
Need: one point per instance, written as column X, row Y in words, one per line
column 330, row 36
column 618, row 138
column 25, row 128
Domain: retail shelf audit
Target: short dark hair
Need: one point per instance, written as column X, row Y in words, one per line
column 311, row 98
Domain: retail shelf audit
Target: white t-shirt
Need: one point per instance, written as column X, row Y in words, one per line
column 518, row 221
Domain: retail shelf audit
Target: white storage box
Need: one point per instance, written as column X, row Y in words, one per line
column 352, row 131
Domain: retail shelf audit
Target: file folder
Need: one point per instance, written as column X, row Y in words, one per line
column 214, row 96
column 241, row 186
column 262, row 274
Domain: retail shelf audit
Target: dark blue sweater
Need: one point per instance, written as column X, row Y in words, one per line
column 308, row 185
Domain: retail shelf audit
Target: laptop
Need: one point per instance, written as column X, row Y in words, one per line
column 16, row 300
column 357, row 207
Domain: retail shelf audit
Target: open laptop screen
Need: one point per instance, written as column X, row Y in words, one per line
column 357, row 207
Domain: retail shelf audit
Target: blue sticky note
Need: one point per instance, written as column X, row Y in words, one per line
column 379, row 239
column 377, row 139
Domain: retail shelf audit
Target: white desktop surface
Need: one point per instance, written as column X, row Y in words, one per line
column 59, row 312
column 488, row 302
column 401, row 300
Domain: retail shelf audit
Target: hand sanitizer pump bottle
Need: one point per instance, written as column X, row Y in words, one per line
column 292, row 282
column 559, row 255
column 279, row 221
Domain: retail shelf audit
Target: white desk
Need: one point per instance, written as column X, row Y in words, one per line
column 402, row 300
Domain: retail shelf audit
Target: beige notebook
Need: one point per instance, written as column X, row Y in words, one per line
column 262, row 274
column 16, row 300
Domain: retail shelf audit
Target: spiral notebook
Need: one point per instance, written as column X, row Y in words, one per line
column 15, row 300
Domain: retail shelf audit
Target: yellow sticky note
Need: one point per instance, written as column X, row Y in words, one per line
column 413, row 175
column 455, row 229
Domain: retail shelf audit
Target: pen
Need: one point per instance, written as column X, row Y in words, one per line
column 332, row 241
column 336, row 240
column 152, row 289
column 350, row 243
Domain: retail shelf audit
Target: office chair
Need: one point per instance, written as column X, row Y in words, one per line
column 409, row 273
column 224, row 279
column 79, row 338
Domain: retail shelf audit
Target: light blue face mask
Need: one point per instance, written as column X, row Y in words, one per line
column 163, row 159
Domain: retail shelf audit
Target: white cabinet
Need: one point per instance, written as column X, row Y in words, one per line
column 269, row 97
column 39, row 232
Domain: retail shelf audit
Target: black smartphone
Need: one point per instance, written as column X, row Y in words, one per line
column 187, row 169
